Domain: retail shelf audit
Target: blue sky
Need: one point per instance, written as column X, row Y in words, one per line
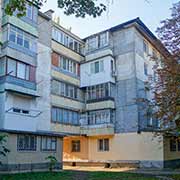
column 119, row 11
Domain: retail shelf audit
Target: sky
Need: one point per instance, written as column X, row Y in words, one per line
column 151, row 12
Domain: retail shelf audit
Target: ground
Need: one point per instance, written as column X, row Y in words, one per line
column 88, row 175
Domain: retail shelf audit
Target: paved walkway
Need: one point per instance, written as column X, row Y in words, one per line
column 129, row 170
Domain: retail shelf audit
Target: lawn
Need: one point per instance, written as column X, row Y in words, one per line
column 74, row 175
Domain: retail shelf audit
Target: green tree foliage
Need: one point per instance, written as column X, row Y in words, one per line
column 167, row 90
column 79, row 8
column 3, row 149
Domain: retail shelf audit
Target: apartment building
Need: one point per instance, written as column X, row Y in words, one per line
column 76, row 99
column 25, row 87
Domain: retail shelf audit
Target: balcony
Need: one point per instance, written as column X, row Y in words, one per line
column 18, row 85
column 97, row 123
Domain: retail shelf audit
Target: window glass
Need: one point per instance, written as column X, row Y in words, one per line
column 27, row 72
column 145, row 69
column 103, row 40
column 64, row 116
column 11, row 67
column 106, row 144
column 145, row 47
column 23, row 39
column 53, row 114
column 103, row 144
column 20, row 37
column 48, row 143
column 29, row 11
column 96, row 67
column 26, row 143
column 172, row 145
column 2, row 67
column 76, row 146
column 100, row 144
column 26, row 43
column 71, row 43
column 12, row 35
column 21, row 70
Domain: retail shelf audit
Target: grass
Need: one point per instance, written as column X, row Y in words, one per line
column 70, row 175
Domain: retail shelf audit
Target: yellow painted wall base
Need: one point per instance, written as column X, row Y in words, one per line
column 123, row 147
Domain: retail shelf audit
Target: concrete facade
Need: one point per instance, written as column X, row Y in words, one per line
column 86, row 90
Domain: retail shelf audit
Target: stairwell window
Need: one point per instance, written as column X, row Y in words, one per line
column 103, row 145
column 76, row 146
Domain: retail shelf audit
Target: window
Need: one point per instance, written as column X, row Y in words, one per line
column 98, row 41
column 11, row 67
column 172, row 145
column 145, row 69
column 66, row 40
column 103, row 144
column 64, row 89
column 48, row 143
column 64, row 116
column 97, row 92
column 26, row 143
column 145, row 47
column 29, row 11
column 97, row 67
column 92, row 44
column 20, row 70
column 99, row 117
column 76, row 146
column 20, row 111
column 65, row 64
column 22, row 39
column 103, row 39
column 178, row 144
column 2, row 67
column 96, row 64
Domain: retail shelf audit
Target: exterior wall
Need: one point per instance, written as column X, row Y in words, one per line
column 98, row 130
column 61, row 76
column 44, row 87
column 68, row 155
column 127, row 147
column 20, row 56
column 2, row 107
column 100, row 105
column 65, row 128
column 15, row 121
column 168, row 155
column 20, row 24
column 89, row 79
column 66, row 103
column 65, row 51
column 16, row 159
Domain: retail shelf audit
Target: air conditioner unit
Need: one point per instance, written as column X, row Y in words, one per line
column 114, row 73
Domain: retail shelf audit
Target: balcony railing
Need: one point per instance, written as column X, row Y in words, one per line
column 17, row 81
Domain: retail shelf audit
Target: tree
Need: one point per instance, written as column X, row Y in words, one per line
column 167, row 88
column 3, row 149
column 80, row 8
